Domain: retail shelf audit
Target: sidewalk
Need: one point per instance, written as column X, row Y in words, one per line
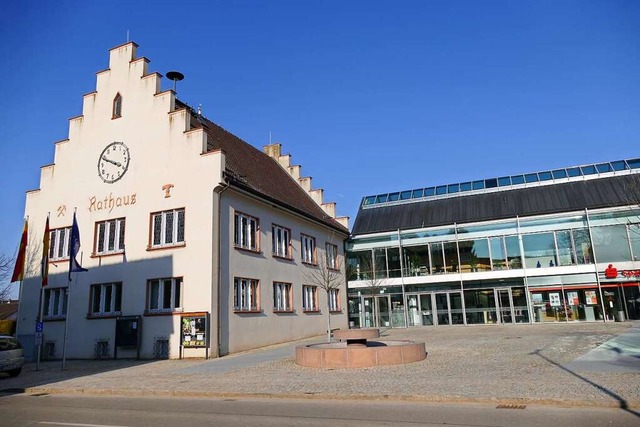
column 594, row 364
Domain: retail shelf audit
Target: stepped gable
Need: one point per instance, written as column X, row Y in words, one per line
column 252, row 170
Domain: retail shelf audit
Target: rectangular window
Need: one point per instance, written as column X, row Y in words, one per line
column 246, row 294
column 59, row 243
column 55, row 303
column 245, row 231
column 539, row 250
column 610, row 243
column 164, row 295
column 332, row 256
column 106, row 299
column 280, row 241
column 309, row 298
column 109, row 237
column 308, row 249
column 167, row 228
column 334, row 299
column 282, row 297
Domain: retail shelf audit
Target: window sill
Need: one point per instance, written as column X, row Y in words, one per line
column 283, row 311
column 284, row 258
column 161, row 248
column 106, row 254
column 311, row 311
column 335, row 311
column 93, row 316
column 243, row 249
column 310, row 264
column 54, row 318
column 167, row 312
column 238, row 311
column 337, row 270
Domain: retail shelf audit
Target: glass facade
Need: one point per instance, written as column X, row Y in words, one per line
column 530, row 270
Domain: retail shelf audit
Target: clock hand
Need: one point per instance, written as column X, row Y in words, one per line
column 112, row 162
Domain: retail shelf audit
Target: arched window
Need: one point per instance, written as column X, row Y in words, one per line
column 117, row 106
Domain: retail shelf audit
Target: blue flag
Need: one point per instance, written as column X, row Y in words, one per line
column 74, row 246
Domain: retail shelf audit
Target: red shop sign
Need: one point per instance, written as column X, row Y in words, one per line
column 630, row 273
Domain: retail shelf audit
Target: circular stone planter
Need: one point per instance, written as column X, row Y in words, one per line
column 357, row 352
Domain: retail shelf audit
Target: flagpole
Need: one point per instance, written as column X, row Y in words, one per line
column 40, row 320
column 66, row 322
column 44, row 272
column 74, row 267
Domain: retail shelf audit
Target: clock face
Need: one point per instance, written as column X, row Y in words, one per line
column 113, row 162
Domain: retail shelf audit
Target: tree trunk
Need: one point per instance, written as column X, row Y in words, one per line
column 328, row 320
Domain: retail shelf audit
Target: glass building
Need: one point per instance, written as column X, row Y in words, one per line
column 553, row 246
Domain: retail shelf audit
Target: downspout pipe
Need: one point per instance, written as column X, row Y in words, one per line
column 219, row 272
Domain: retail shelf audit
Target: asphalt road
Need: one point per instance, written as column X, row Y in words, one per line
column 44, row 410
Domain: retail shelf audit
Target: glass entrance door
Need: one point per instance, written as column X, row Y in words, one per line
column 383, row 315
column 419, row 310
column 426, row 310
column 442, row 309
column 505, row 305
column 368, row 320
column 413, row 310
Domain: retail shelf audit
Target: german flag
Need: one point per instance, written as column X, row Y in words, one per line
column 18, row 270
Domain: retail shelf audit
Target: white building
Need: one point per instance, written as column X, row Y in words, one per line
column 193, row 236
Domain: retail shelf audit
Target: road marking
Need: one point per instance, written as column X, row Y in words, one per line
column 76, row 424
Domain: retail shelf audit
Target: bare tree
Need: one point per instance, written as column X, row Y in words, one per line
column 372, row 277
column 328, row 275
column 6, row 268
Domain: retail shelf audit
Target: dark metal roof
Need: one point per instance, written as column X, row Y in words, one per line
column 539, row 200
column 252, row 170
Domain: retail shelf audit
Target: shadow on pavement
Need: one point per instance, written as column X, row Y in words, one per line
column 51, row 373
column 622, row 403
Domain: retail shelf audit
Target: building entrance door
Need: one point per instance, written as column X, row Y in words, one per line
column 443, row 317
column 368, row 318
column 420, row 309
column 504, row 301
column 383, row 315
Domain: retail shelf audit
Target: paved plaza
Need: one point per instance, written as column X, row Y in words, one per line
column 586, row 364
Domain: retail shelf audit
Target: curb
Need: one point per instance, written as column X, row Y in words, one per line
column 557, row 402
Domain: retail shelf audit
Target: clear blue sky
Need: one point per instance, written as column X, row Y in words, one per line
column 368, row 96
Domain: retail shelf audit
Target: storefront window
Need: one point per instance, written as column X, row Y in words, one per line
column 539, row 250
column 554, row 305
column 380, row 263
column 359, row 265
column 416, row 260
column 565, row 248
column 393, row 260
column 451, row 257
column 583, row 246
column 437, row 260
column 514, row 257
column 634, row 238
column 474, row 255
column 497, row 253
column 610, row 243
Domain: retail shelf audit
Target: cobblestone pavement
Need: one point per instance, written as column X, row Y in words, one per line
column 505, row 364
